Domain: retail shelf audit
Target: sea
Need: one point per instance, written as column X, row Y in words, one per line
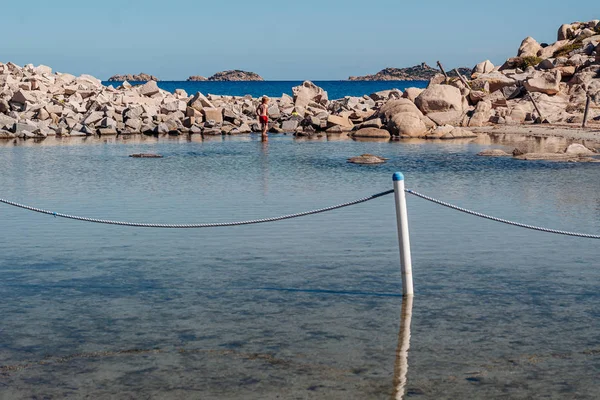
column 306, row 308
column 335, row 89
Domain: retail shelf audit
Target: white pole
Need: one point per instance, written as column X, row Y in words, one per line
column 403, row 235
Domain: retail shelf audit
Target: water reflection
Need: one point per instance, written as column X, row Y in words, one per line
column 401, row 366
column 264, row 165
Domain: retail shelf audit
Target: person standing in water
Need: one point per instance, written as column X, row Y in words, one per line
column 263, row 116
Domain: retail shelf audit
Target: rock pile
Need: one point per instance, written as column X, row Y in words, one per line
column 35, row 102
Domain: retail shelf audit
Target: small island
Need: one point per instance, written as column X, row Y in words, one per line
column 235, row 75
column 421, row 72
column 196, row 78
column 141, row 77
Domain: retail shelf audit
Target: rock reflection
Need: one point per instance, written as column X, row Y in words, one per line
column 401, row 366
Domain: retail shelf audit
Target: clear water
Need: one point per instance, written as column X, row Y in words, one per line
column 335, row 89
column 300, row 309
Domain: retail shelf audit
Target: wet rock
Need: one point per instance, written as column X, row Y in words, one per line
column 372, row 133
column 493, row 153
column 367, row 159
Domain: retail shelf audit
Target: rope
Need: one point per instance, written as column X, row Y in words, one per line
column 296, row 215
column 189, row 226
column 504, row 221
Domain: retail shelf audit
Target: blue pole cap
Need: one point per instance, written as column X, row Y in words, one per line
column 398, row 177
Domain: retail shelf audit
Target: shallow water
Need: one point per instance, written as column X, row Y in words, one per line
column 303, row 308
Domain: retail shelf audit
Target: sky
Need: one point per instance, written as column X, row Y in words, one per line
column 279, row 40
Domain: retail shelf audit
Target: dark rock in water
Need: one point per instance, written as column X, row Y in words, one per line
column 517, row 152
column 367, row 159
column 145, row 155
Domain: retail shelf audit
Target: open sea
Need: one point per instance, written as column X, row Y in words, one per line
column 335, row 89
column 306, row 308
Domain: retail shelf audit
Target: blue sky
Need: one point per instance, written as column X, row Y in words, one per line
column 318, row 40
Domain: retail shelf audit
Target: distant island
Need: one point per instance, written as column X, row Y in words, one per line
column 421, row 72
column 232, row 76
column 141, row 77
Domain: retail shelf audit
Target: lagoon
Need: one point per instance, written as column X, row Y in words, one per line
column 304, row 308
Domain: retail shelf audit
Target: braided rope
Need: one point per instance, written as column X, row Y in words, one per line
column 190, row 226
column 504, row 221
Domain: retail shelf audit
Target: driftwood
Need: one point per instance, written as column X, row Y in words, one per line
column 587, row 109
column 542, row 119
column 442, row 69
column 462, row 79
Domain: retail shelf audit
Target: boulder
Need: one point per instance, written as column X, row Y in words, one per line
column 213, row 114
column 579, row 150
column 290, row 125
column 446, row 118
column 439, row 98
column 371, row 133
column 386, row 95
column 412, row 93
column 149, row 89
column 565, row 32
column 548, row 52
column 529, row 48
column 274, row 112
column 495, row 80
column 545, row 82
column 372, row 123
column 23, row 96
column 199, row 101
column 342, row 122
column 394, row 107
column 481, row 115
column 308, row 93
column 407, row 124
column 483, row 67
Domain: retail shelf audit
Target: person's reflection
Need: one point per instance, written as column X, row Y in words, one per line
column 401, row 367
column 264, row 165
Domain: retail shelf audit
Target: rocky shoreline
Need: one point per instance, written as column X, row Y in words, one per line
column 36, row 103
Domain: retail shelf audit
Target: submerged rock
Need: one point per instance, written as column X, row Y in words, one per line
column 146, row 155
column 367, row 159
